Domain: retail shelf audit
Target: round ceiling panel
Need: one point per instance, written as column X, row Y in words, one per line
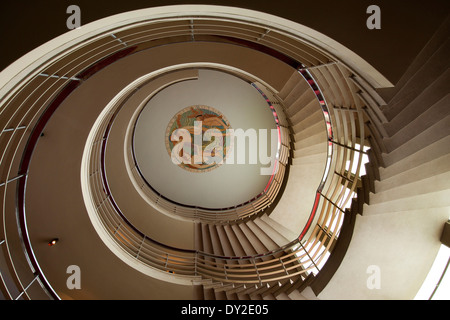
column 197, row 138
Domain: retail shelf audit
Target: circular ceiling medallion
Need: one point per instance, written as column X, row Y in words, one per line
column 196, row 138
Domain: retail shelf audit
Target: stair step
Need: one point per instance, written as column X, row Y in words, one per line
column 260, row 291
column 430, row 135
column 234, row 241
column 364, row 192
column 290, row 84
column 271, row 232
column 309, row 120
column 309, row 159
column 314, row 149
column 207, row 242
column 296, row 295
column 427, row 67
column 198, row 237
column 326, row 84
column 289, row 286
column 282, row 296
column 220, row 295
column 215, row 240
column 280, row 229
column 305, row 132
column 209, row 294
column 310, row 108
column 437, row 199
column 302, row 100
column 422, row 122
column 199, row 293
column 295, row 97
column 269, row 297
column 423, row 101
column 227, row 248
column 423, row 171
column 424, row 186
column 233, row 290
column 429, row 153
column 341, row 84
column 231, row 296
column 246, row 243
column 316, row 139
column 309, row 294
column 433, row 45
column 242, row 296
column 267, row 241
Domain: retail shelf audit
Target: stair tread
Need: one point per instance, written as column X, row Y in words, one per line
column 305, row 132
column 276, row 237
column 430, row 135
column 426, row 67
column 282, row 230
column 310, row 120
column 314, row 149
column 320, row 138
column 423, row 171
column 425, row 120
column 262, row 236
column 420, row 102
column 310, row 108
column 296, row 295
column 244, row 242
column 438, row 199
column 290, row 84
column 429, row 153
column 414, row 188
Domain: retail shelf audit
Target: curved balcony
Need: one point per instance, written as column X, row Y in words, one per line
column 261, row 201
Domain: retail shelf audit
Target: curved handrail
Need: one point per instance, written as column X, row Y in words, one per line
column 198, row 257
column 256, row 204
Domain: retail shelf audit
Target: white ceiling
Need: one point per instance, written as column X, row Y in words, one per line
column 226, row 185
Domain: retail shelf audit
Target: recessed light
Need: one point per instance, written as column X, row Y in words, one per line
column 53, row 242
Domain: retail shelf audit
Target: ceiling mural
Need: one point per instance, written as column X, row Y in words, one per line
column 196, row 138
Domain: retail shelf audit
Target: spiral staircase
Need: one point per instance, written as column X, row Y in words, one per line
column 362, row 179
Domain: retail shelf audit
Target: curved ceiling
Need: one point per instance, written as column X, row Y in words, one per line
column 227, row 185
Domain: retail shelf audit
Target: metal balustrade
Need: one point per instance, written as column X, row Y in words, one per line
column 26, row 107
column 305, row 255
column 218, row 215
